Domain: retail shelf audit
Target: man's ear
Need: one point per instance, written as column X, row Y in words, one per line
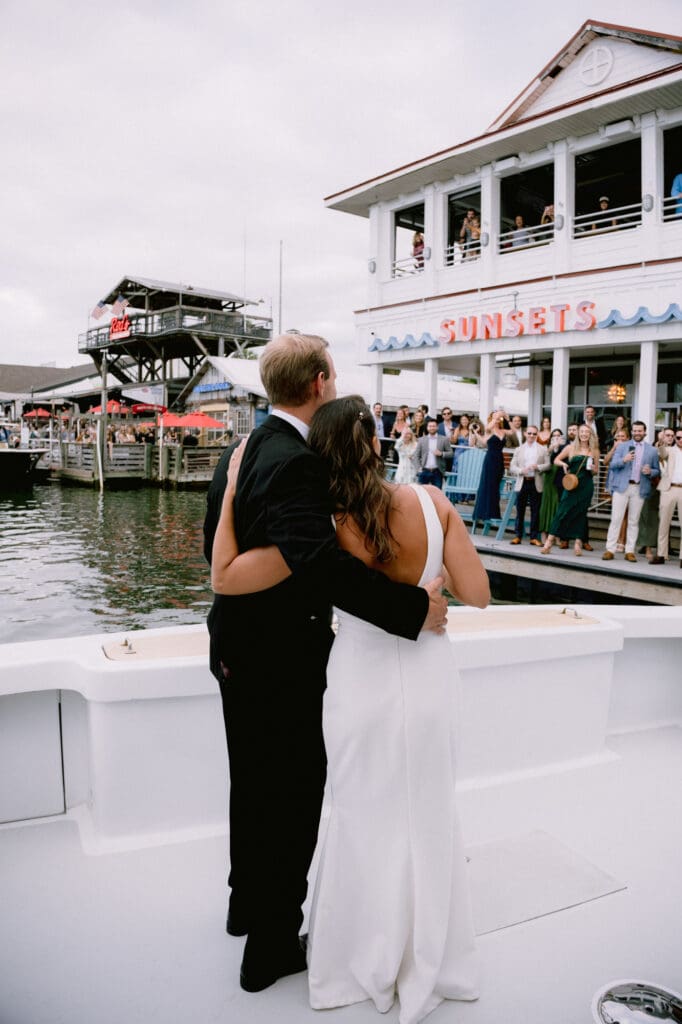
column 319, row 384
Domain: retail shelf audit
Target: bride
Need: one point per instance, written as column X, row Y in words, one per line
column 390, row 911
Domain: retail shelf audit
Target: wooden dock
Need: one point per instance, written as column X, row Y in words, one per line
column 637, row 581
column 133, row 465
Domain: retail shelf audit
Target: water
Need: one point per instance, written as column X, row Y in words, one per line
column 74, row 562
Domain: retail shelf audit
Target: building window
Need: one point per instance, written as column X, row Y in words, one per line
column 672, row 173
column 669, row 394
column 608, row 189
column 408, row 240
column 464, row 227
column 609, row 388
column 527, row 209
column 241, row 419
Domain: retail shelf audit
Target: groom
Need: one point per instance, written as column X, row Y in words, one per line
column 269, row 652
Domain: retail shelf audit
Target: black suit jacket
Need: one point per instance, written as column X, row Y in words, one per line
column 283, row 499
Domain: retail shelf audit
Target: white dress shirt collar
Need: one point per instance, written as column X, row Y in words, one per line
column 302, row 427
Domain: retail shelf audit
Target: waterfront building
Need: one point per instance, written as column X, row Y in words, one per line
column 552, row 241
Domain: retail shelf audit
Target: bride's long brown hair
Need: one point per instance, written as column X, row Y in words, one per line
column 342, row 433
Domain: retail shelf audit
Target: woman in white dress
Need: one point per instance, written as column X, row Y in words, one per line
column 406, row 447
column 390, row 913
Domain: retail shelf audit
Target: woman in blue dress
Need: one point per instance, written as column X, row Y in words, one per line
column 461, row 438
column 488, row 495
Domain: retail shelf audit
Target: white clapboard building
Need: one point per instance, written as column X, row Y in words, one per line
column 552, row 242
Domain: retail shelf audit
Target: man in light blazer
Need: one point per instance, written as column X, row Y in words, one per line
column 633, row 469
column 432, row 450
column 670, row 489
column 529, row 461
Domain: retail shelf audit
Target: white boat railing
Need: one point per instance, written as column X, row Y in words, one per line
column 671, row 208
column 462, row 252
column 525, row 237
column 601, row 222
column 406, row 266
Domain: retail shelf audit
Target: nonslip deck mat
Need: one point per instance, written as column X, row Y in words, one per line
column 524, row 877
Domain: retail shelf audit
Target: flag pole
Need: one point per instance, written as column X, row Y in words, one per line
column 279, row 317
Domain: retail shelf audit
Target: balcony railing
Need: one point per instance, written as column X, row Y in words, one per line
column 672, row 208
column 462, row 252
column 408, row 265
column 182, row 318
column 602, row 222
column 525, row 238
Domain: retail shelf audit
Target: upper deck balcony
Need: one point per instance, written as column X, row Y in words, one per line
column 589, row 204
column 174, row 320
column 522, row 201
column 178, row 322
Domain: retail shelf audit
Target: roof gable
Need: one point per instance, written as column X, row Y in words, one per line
column 599, row 57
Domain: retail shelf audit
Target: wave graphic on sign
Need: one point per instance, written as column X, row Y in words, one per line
column 409, row 341
column 642, row 316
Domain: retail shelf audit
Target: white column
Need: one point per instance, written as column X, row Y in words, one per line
column 377, row 386
column 564, row 202
column 652, row 183
column 384, row 243
column 431, row 375
column 490, row 220
column 486, row 387
column 430, row 240
column 535, row 395
column 375, row 240
column 560, row 366
column 645, row 394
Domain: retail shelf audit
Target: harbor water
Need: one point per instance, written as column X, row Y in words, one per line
column 74, row 561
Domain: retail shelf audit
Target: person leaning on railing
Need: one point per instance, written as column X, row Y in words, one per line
column 602, row 217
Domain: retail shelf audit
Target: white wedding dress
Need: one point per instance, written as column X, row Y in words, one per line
column 391, row 912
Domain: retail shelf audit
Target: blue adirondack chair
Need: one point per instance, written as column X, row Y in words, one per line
column 464, row 480
column 508, row 503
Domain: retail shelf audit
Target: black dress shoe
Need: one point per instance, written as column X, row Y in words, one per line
column 236, row 925
column 657, row 560
column 262, row 965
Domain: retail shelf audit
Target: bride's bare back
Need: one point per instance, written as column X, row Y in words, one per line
column 466, row 578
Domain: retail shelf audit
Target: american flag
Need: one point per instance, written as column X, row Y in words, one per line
column 99, row 310
column 119, row 305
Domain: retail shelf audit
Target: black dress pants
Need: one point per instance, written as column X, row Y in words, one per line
column 528, row 495
column 273, row 724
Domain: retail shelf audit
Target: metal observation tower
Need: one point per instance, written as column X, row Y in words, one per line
column 162, row 333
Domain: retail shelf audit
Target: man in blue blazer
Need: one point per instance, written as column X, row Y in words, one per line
column 634, row 467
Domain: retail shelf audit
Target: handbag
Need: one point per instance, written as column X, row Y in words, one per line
column 571, row 480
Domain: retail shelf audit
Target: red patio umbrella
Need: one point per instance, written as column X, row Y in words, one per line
column 38, row 413
column 200, row 419
column 169, row 419
column 112, row 407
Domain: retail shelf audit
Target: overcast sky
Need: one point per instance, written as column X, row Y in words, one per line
column 183, row 140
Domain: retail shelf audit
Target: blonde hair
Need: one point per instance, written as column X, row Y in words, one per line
column 289, row 365
column 593, row 443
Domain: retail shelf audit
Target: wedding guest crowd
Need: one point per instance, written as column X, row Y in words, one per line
column 427, row 448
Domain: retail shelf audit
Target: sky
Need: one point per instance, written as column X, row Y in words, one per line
column 183, row 141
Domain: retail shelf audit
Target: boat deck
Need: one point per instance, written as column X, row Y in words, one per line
column 138, row 937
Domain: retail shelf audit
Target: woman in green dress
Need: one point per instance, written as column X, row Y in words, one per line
column 552, row 483
column 570, row 521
